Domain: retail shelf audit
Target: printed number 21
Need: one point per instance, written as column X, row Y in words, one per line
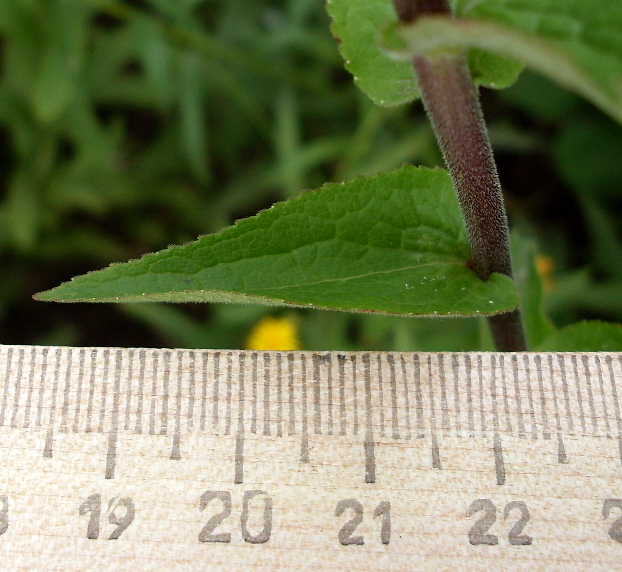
column 346, row 537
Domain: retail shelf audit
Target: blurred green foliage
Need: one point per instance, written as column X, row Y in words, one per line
column 129, row 126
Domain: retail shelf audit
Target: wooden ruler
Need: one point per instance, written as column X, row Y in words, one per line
column 143, row 459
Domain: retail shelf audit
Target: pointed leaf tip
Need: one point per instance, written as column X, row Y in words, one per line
column 394, row 243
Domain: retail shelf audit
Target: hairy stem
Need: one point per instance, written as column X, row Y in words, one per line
column 452, row 104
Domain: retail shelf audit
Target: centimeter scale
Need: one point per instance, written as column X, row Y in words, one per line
column 152, row 459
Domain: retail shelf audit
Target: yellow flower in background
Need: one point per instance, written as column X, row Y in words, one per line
column 272, row 333
column 546, row 268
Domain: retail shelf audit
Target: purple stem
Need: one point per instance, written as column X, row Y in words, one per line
column 452, row 104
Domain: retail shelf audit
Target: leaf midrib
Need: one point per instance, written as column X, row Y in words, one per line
column 349, row 278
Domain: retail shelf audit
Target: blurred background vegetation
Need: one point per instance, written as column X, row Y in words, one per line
column 129, row 126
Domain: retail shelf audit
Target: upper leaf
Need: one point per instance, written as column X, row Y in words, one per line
column 579, row 44
column 394, row 243
column 358, row 27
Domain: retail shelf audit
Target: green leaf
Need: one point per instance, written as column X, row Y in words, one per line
column 578, row 44
column 593, row 336
column 529, row 281
column 358, row 27
column 394, row 243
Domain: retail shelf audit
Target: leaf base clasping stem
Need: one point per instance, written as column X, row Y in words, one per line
column 452, row 104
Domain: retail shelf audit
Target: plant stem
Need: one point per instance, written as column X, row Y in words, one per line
column 452, row 104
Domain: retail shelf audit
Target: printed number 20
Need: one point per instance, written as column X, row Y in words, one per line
column 207, row 533
column 4, row 513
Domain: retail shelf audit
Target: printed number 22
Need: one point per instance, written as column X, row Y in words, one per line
column 615, row 531
column 479, row 531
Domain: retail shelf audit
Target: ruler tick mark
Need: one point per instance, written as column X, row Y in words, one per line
column 90, row 404
column 395, row 431
column 418, row 398
column 49, row 444
column 493, row 394
column 304, row 440
column 561, row 450
column 545, row 421
column 317, row 414
column 562, row 459
column 154, row 392
column 7, row 383
column 216, row 390
column 254, row 366
column 575, row 370
column 329, row 391
column 111, row 454
column 31, row 383
column 129, row 393
column 290, row 388
column 166, row 380
column 370, row 462
column 616, row 403
column 480, row 378
column 532, row 410
column 590, row 395
column 229, row 381
column 603, row 395
column 66, row 391
column 562, row 367
column 436, row 454
column 444, row 406
column 104, row 394
column 436, row 458
column 506, row 403
column 370, row 456
column 499, row 464
column 18, row 387
column 44, row 365
column 238, row 478
column 176, row 446
column 279, row 395
column 142, row 359
column 408, row 434
column 355, row 404
column 380, row 395
column 191, row 390
column 204, row 366
column 49, row 438
column 469, row 390
column 555, row 403
column 455, row 369
column 266, row 394
column 517, row 393
column 341, row 360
